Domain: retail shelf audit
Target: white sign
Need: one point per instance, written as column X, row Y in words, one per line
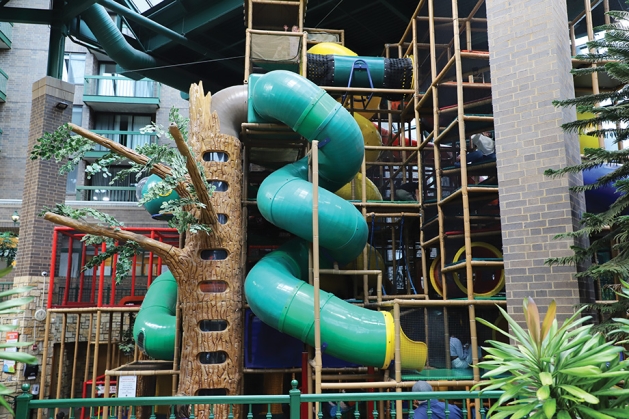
column 127, row 385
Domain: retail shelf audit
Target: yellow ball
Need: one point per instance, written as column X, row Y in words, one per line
column 373, row 194
column 331, row 48
column 371, row 137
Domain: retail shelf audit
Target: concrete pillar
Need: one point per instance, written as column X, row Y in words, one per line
column 530, row 67
column 43, row 186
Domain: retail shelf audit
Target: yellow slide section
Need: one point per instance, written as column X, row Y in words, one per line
column 413, row 354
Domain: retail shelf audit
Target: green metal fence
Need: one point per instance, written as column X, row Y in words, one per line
column 4, row 80
column 365, row 405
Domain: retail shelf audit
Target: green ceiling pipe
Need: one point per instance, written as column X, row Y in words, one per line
column 156, row 27
column 119, row 50
column 155, row 325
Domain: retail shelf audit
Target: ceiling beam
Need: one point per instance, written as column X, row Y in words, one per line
column 201, row 20
column 26, row 15
column 75, row 8
column 155, row 27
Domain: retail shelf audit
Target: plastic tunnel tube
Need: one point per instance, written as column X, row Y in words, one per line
column 155, row 325
column 284, row 301
column 275, row 288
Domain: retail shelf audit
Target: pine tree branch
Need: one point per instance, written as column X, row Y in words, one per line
column 207, row 214
column 167, row 252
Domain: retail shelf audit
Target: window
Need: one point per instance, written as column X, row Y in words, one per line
column 71, row 181
column 73, row 68
column 124, row 188
column 77, row 115
column 123, row 129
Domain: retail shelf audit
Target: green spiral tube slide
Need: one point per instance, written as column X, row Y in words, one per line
column 155, row 325
column 275, row 287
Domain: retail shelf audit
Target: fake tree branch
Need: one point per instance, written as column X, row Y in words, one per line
column 158, row 169
column 167, row 252
column 207, row 214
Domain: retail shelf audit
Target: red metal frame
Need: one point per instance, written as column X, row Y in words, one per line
column 166, row 235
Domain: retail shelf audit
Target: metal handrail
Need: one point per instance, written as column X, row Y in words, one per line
column 294, row 400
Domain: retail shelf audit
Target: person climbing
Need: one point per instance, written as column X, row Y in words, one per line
column 460, row 354
column 485, row 149
column 437, row 408
column 406, row 192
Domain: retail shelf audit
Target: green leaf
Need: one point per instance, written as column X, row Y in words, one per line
column 562, row 414
column 620, row 412
column 549, row 407
column 19, row 357
column 543, row 393
column 585, row 371
column 580, row 394
column 593, row 413
column 546, row 378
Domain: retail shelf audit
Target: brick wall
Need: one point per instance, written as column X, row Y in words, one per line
column 25, row 63
column 44, row 186
column 530, row 65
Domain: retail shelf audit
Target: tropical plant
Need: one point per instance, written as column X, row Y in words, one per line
column 555, row 371
column 11, row 306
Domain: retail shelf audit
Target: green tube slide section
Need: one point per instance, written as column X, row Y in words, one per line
column 155, row 325
column 275, row 287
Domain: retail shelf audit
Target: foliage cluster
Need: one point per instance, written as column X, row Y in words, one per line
column 11, row 306
column 8, row 246
column 607, row 231
column 62, row 146
column 552, row 371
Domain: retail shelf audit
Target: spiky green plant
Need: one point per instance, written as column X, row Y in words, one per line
column 9, row 307
column 554, row 371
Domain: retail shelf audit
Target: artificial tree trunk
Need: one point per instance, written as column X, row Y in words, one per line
column 209, row 268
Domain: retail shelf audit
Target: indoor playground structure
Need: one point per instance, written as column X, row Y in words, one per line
column 361, row 242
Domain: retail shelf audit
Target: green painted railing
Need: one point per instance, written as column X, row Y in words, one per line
column 118, row 86
column 130, row 139
column 4, row 80
column 6, row 33
column 106, row 193
column 364, row 406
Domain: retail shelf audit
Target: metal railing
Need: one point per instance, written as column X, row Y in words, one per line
column 106, row 193
column 6, row 32
column 364, row 405
column 4, row 80
column 130, row 139
column 85, row 298
column 118, row 86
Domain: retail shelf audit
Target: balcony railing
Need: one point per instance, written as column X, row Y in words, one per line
column 106, row 193
column 130, row 139
column 4, row 79
column 6, row 35
column 120, row 94
column 119, row 86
